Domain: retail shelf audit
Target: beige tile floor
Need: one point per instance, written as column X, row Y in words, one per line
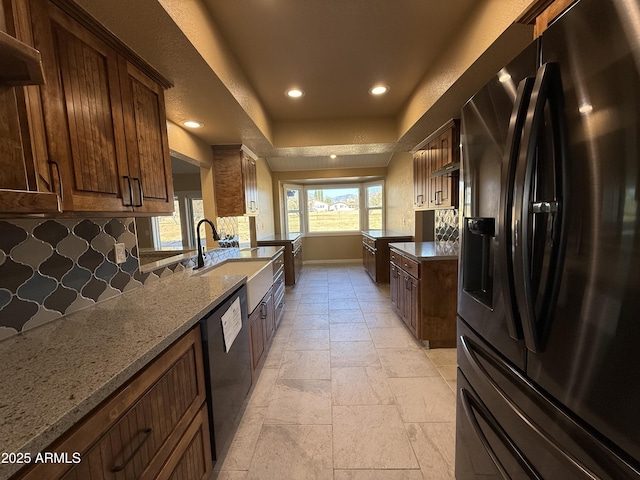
column 346, row 393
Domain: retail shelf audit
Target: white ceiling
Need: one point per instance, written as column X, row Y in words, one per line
column 231, row 62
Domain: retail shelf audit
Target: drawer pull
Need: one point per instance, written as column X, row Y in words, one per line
column 147, row 434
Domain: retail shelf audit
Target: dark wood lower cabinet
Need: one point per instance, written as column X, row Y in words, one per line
column 262, row 327
column 292, row 254
column 155, row 426
column 375, row 252
column 424, row 295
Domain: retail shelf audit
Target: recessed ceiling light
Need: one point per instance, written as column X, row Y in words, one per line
column 192, row 124
column 379, row 90
column 294, row 93
column 332, row 156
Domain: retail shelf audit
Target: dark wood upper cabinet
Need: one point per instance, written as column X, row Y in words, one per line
column 146, row 140
column 99, row 119
column 235, row 181
column 435, row 169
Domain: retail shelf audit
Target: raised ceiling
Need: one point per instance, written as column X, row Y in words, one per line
column 336, row 50
column 231, row 62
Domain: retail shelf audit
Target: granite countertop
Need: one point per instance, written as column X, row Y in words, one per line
column 53, row 375
column 428, row 250
column 280, row 237
column 385, row 234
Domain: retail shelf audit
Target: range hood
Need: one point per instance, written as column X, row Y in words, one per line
column 452, row 167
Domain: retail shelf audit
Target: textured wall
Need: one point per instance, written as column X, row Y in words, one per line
column 265, row 220
column 399, row 194
column 331, row 247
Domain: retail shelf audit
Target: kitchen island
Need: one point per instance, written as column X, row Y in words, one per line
column 292, row 243
column 424, row 287
column 375, row 252
column 56, row 374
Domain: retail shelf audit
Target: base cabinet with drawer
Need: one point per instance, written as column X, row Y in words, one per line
column 423, row 293
column 265, row 318
column 375, row 252
column 155, row 426
column 292, row 254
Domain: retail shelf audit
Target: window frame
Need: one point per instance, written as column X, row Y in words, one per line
column 367, row 209
column 363, row 209
column 187, row 223
column 301, row 210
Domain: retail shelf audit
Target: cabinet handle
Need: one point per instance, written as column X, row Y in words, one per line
column 55, row 164
column 128, row 179
column 140, row 192
column 118, row 467
column 420, row 200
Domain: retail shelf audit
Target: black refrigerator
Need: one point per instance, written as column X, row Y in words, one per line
column 549, row 291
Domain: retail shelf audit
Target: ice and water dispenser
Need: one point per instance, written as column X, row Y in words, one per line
column 479, row 237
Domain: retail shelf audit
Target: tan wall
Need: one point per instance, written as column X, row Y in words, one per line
column 331, row 248
column 265, row 220
column 188, row 145
column 399, row 194
column 186, row 182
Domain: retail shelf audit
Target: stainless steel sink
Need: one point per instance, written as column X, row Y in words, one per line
column 259, row 275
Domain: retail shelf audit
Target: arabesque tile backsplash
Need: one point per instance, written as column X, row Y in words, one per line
column 49, row 268
column 446, row 225
column 53, row 267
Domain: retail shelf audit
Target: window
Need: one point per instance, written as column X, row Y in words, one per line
column 373, row 206
column 293, row 212
column 178, row 229
column 318, row 209
column 333, row 209
column 167, row 231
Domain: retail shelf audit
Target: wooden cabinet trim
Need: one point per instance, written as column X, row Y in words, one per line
column 191, row 453
column 90, row 23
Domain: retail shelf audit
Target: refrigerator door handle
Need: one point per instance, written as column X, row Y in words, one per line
column 529, row 182
column 509, row 234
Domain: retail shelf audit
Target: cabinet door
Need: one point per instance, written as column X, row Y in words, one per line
column 435, row 163
column 228, row 180
column 250, row 179
column 412, row 304
column 420, row 179
column 269, row 316
column 444, row 152
column 257, row 337
column 395, row 280
column 83, row 112
column 192, row 457
column 147, row 143
column 447, row 183
column 297, row 263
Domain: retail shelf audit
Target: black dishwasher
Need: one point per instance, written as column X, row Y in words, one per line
column 227, row 373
